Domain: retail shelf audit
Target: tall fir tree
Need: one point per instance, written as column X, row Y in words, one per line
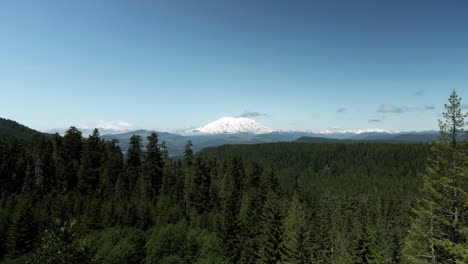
column 296, row 233
column 126, row 182
column 22, row 234
column 188, row 153
column 438, row 230
column 197, row 187
column 228, row 222
column 72, row 147
column 152, row 174
column 111, row 168
column 271, row 245
column 91, row 163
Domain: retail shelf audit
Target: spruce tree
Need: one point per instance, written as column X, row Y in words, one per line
column 297, row 233
column 152, row 174
column 249, row 225
column 91, row 163
column 271, row 245
column 111, row 168
column 438, row 230
column 188, row 153
column 228, row 223
column 127, row 180
column 197, row 187
column 72, row 147
column 23, row 230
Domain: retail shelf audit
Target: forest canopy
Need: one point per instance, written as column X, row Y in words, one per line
column 69, row 199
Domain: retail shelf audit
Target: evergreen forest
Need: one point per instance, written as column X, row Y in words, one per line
column 70, row 199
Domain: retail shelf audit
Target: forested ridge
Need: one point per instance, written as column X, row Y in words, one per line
column 81, row 200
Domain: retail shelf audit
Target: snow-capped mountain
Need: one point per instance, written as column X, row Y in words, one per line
column 233, row 125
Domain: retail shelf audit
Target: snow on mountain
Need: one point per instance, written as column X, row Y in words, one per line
column 232, row 125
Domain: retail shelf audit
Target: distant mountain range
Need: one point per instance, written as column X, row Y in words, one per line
column 239, row 131
column 176, row 142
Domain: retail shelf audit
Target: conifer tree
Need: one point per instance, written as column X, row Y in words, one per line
column 249, row 225
column 127, row 180
column 91, row 163
column 297, row 233
column 23, row 230
column 438, row 229
column 272, row 233
column 197, row 187
column 153, row 169
column 228, row 224
column 111, row 168
column 72, row 147
column 58, row 163
column 188, row 153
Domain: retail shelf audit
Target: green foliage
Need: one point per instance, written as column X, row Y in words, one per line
column 297, row 233
column 10, row 128
column 119, row 245
column 23, row 231
column 181, row 243
column 272, row 233
column 438, row 229
column 90, row 169
column 60, row 245
column 292, row 203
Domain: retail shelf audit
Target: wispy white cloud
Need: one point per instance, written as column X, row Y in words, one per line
column 252, row 114
column 111, row 125
column 429, row 107
column 385, row 108
column 419, row 92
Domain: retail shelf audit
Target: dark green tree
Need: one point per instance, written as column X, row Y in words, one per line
column 438, row 229
column 126, row 182
column 72, row 146
column 296, row 233
column 197, row 188
column 91, row 163
column 188, row 153
column 61, row 245
column 22, row 234
column 228, row 223
column 112, row 168
column 272, row 232
column 152, row 175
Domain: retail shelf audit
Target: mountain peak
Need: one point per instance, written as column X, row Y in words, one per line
column 232, row 125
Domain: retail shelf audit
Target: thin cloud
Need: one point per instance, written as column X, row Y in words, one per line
column 114, row 125
column 464, row 106
column 341, row 110
column 419, row 92
column 374, row 120
column 252, row 114
column 390, row 109
column 429, row 107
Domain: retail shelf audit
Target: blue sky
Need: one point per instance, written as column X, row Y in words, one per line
column 300, row 65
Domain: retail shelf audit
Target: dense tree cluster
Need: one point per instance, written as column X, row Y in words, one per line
column 81, row 200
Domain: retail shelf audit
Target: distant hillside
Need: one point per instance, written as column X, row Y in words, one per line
column 176, row 143
column 323, row 140
column 357, row 168
column 416, row 137
column 12, row 128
